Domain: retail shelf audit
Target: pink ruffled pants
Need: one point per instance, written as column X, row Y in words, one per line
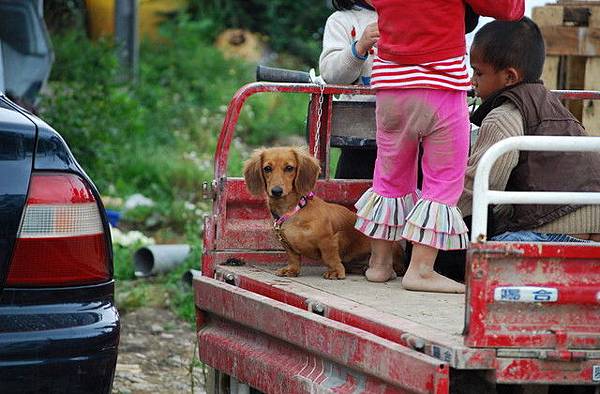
column 392, row 209
column 438, row 118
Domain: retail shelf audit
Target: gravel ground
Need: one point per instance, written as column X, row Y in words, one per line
column 157, row 354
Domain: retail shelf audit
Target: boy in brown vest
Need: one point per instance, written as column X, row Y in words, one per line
column 507, row 60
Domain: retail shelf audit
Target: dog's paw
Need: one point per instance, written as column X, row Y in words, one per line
column 332, row 274
column 286, row 271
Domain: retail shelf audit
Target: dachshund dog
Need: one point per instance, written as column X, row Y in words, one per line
column 310, row 226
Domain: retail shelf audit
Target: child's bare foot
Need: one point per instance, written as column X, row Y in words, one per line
column 380, row 264
column 420, row 275
column 380, row 274
column 430, row 281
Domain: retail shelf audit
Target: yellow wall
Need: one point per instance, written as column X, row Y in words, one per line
column 101, row 16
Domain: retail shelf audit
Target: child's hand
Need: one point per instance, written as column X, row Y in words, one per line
column 368, row 39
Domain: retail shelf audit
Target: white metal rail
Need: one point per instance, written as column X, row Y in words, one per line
column 483, row 197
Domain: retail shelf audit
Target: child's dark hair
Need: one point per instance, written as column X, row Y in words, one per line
column 512, row 44
column 342, row 5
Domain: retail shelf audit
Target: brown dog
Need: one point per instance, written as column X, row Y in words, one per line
column 318, row 230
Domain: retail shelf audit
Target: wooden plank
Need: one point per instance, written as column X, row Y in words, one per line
column 594, row 19
column 547, row 16
column 572, row 14
column 575, row 75
column 550, row 72
column 571, row 40
column 353, row 119
column 591, row 109
column 579, row 2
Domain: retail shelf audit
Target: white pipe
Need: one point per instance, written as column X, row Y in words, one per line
column 482, row 196
column 158, row 259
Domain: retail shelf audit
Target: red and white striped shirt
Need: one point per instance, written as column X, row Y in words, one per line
column 449, row 74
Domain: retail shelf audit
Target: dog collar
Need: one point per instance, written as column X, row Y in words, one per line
column 301, row 204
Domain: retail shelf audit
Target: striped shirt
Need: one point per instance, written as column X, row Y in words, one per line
column 449, row 74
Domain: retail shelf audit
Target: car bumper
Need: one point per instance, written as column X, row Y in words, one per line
column 60, row 347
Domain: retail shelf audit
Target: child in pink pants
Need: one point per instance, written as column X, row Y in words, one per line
column 421, row 79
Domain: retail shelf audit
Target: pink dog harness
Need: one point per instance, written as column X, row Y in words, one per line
column 301, row 204
column 279, row 221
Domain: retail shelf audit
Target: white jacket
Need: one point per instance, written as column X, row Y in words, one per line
column 337, row 64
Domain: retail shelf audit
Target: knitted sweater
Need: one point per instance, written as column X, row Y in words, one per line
column 503, row 122
column 337, row 64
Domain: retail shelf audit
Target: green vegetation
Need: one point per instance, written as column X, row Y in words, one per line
column 294, row 27
column 157, row 137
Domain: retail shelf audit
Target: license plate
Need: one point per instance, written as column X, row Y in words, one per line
column 525, row 294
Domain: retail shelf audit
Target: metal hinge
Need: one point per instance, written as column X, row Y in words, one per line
column 316, row 307
column 226, row 277
column 209, row 190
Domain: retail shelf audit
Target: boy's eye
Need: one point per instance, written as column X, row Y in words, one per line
column 267, row 169
column 288, row 169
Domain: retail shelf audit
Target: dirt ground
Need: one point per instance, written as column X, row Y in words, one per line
column 157, row 354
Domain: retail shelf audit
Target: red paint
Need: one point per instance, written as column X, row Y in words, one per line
column 573, row 320
column 540, row 371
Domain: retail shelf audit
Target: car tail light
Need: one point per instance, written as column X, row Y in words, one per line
column 61, row 239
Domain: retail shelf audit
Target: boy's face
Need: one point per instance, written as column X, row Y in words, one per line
column 486, row 80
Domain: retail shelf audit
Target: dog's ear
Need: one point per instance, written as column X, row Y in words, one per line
column 253, row 173
column 307, row 172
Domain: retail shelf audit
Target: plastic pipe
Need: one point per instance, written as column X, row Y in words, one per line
column 158, row 259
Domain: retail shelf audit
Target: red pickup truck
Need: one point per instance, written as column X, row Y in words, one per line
column 529, row 322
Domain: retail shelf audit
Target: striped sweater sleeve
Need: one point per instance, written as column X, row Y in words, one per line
column 337, row 64
column 502, row 122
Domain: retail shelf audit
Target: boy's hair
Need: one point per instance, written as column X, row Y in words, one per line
column 513, row 44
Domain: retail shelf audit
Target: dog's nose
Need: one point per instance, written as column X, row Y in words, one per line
column 277, row 191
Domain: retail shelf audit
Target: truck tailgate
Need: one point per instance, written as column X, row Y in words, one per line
column 267, row 343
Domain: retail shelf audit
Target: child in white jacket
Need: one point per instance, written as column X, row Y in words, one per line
column 347, row 57
column 348, row 43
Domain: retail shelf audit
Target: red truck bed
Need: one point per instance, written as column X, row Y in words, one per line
column 311, row 335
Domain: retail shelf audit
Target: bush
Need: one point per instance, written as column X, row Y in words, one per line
column 157, row 137
column 292, row 26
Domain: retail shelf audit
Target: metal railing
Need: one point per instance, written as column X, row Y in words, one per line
column 483, row 197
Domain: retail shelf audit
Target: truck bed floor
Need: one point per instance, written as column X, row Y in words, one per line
column 441, row 314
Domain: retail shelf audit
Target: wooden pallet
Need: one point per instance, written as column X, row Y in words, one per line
column 571, row 30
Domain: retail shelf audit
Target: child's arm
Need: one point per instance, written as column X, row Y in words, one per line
column 339, row 64
column 491, row 131
column 510, row 10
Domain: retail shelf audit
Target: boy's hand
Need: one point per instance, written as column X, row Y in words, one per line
column 368, row 39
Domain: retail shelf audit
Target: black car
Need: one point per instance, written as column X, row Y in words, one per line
column 59, row 327
column 26, row 54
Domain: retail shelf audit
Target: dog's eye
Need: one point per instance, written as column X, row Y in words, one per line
column 267, row 169
column 288, row 169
